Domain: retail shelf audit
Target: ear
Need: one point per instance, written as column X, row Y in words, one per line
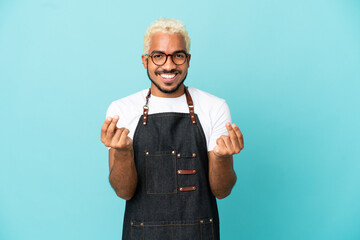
column 189, row 56
column 144, row 60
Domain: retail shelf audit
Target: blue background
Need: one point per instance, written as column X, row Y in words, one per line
column 289, row 70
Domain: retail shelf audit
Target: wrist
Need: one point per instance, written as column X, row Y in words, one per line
column 223, row 159
column 123, row 153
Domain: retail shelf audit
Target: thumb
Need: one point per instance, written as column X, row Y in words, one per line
column 129, row 140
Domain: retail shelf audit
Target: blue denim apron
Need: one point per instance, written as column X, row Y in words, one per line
column 173, row 199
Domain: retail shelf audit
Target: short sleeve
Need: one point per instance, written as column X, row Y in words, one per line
column 113, row 110
column 220, row 116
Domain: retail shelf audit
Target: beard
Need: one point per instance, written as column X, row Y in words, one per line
column 164, row 90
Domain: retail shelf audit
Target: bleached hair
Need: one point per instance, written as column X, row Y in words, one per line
column 166, row 25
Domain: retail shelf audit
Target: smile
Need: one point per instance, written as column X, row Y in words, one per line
column 168, row 77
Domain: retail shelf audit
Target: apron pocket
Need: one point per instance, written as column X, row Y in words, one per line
column 173, row 230
column 161, row 173
column 136, row 232
column 207, row 229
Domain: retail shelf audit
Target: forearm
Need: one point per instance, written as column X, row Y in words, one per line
column 123, row 175
column 222, row 176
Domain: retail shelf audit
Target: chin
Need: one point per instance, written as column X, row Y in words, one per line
column 169, row 89
column 166, row 88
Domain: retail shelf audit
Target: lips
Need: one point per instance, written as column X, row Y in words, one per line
column 168, row 77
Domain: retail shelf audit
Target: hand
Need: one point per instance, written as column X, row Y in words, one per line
column 115, row 137
column 229, row 145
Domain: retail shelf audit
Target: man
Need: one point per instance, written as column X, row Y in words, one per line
column 170, row 146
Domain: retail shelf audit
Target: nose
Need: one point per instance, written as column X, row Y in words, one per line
column 169, row 64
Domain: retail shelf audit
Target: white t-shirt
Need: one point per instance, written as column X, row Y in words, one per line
column 213, row 112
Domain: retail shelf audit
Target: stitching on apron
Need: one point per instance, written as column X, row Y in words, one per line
column 171, row 224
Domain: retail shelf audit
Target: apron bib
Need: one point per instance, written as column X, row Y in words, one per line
column 173, row 199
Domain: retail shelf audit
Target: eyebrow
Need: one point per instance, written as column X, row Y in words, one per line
column 156, row 51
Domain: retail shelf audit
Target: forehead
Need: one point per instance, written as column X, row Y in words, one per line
column 167, row 42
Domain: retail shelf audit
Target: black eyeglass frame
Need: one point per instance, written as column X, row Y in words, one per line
column 181, row 51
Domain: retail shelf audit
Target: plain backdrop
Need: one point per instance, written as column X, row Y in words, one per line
column 289, row 70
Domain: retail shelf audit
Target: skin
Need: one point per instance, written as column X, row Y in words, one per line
column 123, row 175
column 167, row 43
column 222, row 176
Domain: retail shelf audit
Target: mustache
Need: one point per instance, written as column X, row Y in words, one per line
column 166, row 71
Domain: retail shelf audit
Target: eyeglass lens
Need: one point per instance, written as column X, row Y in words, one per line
column 160, row 58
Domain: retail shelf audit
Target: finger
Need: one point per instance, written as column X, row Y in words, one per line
column 104, row 127
column 220, row 142
column 220, row 148
column 228, row 144
column 116, row 137
column 129, row 141
column 123, row 137
column 111, row 129
column 233, row 137
column 239, row 135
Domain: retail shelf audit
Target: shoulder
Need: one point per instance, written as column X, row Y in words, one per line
column 209, row 107
column 131, row 100
column 205, row 99
column 129, row 105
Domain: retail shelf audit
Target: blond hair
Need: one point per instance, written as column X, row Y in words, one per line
column 166, row 25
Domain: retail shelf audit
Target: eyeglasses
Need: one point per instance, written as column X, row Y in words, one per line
column 160, row 58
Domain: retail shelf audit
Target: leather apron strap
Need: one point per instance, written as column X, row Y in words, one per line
column 188, row 100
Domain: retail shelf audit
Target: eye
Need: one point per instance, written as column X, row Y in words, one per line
column 180, row 55
column 158, row 56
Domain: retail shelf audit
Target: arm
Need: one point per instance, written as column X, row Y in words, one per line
column 123, row 175
column 222, row 176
